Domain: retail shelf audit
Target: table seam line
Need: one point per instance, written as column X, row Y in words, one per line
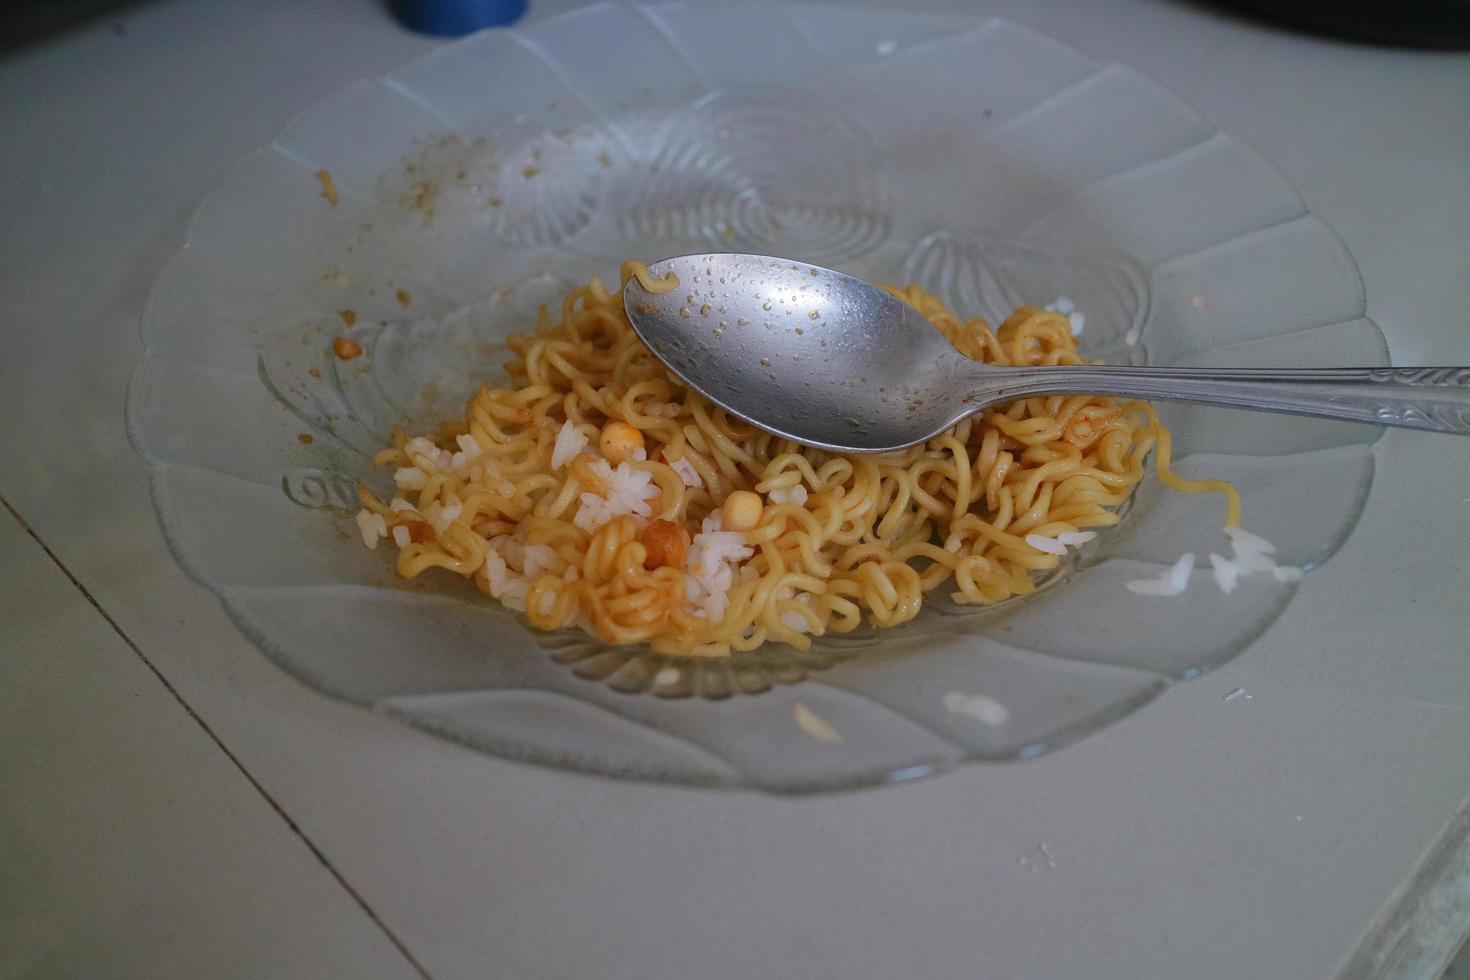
column 291, row 824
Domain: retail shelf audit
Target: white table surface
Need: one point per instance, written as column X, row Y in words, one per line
column 175, row 806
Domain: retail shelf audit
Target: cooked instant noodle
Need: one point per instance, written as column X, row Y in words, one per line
column 596, row 490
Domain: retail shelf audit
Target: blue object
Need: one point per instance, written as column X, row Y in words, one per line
column 451, row 18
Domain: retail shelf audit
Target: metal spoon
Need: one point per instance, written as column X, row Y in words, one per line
column 834, row 362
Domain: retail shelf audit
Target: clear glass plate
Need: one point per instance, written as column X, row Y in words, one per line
column 981, row 159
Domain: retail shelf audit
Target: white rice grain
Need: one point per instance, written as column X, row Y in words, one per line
column 1075, row 539
column 710, row 570
column 1043, row 543
column 628, row 492
column 425, row 454
column 569, row 442
column 794, row 621
column 469, row 451
column 1173, row 581
column 1246, row 543
column 1152, row 587
column 1075, row 320
column 788, row 495
column 496, row 572
column 440, row 515
column 536, row 558
column 1183, row 568
column 410, row 478
column 401, row 536
column 687, row 473
column 978, row 706
column 513, row 596
column 372, row 527
column 1253, row 553
column 1227, row 573
column 815, row 726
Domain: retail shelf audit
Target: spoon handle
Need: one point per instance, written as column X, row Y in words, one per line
column 1432, row 398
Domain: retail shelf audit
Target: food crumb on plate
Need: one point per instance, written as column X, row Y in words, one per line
column 1172, row 581
column 815, row 726
column 1250, row 553
column 978, row 706
column 372, row 527
column 329, row 187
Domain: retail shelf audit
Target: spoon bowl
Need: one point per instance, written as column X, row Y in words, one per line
column 834, row 362
column 803, row 351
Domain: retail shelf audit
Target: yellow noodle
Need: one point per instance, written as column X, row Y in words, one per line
column 872, row 537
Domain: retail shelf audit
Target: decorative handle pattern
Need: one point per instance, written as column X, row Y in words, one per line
column 1437, row 376
column 1435, row 399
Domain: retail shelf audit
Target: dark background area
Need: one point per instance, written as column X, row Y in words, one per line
column 25, row 22
column 1443, row 24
